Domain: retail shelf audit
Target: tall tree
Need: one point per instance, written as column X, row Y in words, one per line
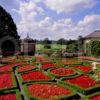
column 8, row 28
column 7, row 25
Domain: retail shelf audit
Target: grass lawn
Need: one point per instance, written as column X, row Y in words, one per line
column 53, row 46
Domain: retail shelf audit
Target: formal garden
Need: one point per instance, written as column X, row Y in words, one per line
column 46, row 69
column 47, row 78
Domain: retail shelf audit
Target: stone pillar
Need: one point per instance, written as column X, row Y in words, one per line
column 0, row 53
column 0, row 56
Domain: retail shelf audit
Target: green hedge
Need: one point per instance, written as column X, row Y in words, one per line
column 90, row 96
column 15, row 91
column 58, row 76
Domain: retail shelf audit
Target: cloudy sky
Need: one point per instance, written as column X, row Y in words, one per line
column 54, row 18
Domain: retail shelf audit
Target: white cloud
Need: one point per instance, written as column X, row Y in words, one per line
column 68, row 6
column 51, row 28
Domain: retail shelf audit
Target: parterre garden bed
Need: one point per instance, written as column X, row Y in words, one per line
column 10, row 95
column 67, row 79
column 7, row 81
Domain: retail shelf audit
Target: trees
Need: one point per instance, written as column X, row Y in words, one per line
column 8, row 33
column 72, row 48
column 61, row 41
column 47, row 43
column 7, row 25
column 95, row 48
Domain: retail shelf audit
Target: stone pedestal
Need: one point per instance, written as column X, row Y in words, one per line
column 0, row 56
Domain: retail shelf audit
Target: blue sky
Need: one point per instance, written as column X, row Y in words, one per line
column 54, row 19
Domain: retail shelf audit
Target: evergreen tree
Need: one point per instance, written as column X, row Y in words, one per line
column 7, row 25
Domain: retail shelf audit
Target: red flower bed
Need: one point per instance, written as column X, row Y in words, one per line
column 6, row 81
column 88, row 58
column 95, row 98
column 25, row 68
column 48, row 65
column 7, row 67
column 47, row 91
column 36, row 75
column 8, row 96
column 41, row 59
column 84, row 69
column 62, row 71
column 69, row 61
column 82, row 81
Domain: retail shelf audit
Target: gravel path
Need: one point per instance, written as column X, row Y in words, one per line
column 24, row 97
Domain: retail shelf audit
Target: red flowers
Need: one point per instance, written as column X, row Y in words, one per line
column 70, row 61
column 6, row 81
column 48, row 65
column 82, row 81
column 41, row 59
column 84, row 69
column 89, row 58
column 25, row 68
column 62, row 71
column 47, row 91
column 95, row 98
column 8, row 96
column 7, row 67
column 36, row 75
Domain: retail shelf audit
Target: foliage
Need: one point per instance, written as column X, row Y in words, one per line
column 47, row 43
column 73, row 47
column 95, row 48
column 7, row 25
column 61, row 41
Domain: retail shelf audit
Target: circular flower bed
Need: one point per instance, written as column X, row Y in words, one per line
column 35, row 76
column 84, row 69
column 48, row 65
column 62, row 71
column 8, row 96
column 6, row 81
column 25, row 68
column 48, row 91
column 82, row 81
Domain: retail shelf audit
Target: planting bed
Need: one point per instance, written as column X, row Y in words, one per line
column 82, row 81
column 7, row 81
column 35, row 76
column 85, row 69
column 49, row 65
column 60, row 72
column 7, row 67
column 70, row 61
column 68, row 79
column 48, row 91
column 25, row 68
column 95, row 97
column 11, row 96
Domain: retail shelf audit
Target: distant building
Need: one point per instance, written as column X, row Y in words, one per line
column 92, row 36
column 28, row 46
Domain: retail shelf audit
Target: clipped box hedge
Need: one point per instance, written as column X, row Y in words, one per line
column 14, row 91
column 88, row 97
column 59, row 76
